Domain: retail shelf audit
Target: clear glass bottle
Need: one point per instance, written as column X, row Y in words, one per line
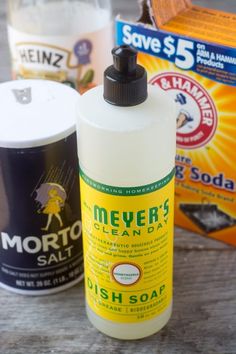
column 63, row 40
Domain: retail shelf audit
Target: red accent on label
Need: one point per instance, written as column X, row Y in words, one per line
column 197, row 117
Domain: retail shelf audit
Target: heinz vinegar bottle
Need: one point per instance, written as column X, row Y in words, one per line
column 61, row 40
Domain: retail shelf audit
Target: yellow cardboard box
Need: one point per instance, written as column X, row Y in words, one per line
column 190, row 52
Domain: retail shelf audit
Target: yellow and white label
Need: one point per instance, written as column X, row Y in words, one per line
column 128, row 248
column 78, row 60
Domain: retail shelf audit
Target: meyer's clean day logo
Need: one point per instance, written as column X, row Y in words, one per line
column 196, row 112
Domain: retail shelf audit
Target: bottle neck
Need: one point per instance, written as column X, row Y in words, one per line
column 40, row 17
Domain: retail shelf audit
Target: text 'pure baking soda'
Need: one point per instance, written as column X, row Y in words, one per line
column 40, row 222
column 190, row 53
column 126, row 144
column 60, row 40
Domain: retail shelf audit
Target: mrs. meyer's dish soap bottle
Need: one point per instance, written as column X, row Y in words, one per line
column 61, row 40
column 126, row 137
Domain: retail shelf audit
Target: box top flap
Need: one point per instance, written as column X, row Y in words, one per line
column 183, row 18
column 163, row 11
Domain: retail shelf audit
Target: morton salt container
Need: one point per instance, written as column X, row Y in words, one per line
column 40, row 223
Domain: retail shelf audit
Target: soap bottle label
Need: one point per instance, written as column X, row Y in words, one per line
column 78, row 61
column 128, row 248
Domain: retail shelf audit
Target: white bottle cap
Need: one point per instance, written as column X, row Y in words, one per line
column 36, row 113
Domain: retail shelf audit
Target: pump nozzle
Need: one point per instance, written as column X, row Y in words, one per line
column 125, row 59
column 125, row 82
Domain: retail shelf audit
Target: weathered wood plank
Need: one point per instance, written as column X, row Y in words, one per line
column 203, row 321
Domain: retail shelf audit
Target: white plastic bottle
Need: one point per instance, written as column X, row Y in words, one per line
column 61, row 40
column 126, row 153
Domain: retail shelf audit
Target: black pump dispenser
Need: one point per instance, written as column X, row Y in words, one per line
column 125, row 82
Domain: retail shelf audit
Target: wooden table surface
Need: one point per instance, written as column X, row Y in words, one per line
column 204, row 316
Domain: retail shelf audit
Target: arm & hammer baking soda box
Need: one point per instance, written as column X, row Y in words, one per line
column 190, row 52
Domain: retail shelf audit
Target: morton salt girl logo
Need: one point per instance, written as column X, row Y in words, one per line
column 196, row 115
column 51, row 197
